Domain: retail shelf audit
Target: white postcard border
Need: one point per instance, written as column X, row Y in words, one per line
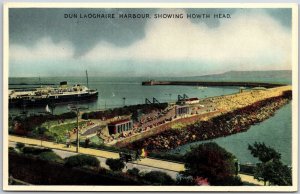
column 294, row 8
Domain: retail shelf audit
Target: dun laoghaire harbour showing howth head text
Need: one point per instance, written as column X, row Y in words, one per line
column 146, row 16
column 151, row 97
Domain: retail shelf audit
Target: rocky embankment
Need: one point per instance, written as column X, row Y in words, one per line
column 230, row 122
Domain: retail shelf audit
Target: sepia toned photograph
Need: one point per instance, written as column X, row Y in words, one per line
column 150, row 97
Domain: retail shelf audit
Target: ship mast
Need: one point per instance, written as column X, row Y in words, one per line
column 87, row 78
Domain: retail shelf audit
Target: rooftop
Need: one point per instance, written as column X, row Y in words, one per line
column 190, row 99
column 120, row 122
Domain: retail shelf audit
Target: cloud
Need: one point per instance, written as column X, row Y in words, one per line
column 247, row 39
column 43, row 49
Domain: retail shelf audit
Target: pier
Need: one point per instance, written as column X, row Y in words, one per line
column 206, row 83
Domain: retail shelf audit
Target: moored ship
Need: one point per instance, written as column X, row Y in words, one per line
column 46, row 95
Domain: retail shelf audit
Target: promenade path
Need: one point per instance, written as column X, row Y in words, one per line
column 250, row 179
column 160, row 164
column 100, row 153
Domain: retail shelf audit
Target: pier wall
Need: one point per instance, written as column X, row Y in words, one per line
column 204, row 83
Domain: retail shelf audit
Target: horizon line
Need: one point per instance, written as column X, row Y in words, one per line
column 136, row 76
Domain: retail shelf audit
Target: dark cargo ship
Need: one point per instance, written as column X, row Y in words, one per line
column 46, row 95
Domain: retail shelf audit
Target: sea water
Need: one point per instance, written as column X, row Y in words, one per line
column 275, row 132
column 120, row 91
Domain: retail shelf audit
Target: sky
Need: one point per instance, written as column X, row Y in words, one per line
column 42, row 42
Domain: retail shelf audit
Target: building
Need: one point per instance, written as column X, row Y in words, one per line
column 188, row 101
column 182, row 110
column 120, row 126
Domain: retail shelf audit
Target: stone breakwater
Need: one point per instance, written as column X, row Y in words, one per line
column 240, row 111
column 235, row 101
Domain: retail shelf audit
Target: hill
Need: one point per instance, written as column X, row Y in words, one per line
column 282, row 76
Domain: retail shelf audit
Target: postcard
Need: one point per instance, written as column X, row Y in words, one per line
column 150, row 97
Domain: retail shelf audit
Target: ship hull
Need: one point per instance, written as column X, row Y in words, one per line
column 62, row 99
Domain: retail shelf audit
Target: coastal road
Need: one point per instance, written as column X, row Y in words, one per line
column 145, row 164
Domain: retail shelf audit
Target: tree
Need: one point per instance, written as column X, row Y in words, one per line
column 50, row 156
column 42, row 153
column 159, row 178
column 181, row 179
column 212, row 162
column 20, row 145
column 35, row 150
column 42, row 130
column 82, row 160
column 18, row 128
column 263, row 153
column 270, row 169
column 133, row 172
column 12, row 150
column 115, row 164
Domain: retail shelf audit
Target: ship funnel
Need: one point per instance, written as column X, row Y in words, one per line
column 63, row 83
